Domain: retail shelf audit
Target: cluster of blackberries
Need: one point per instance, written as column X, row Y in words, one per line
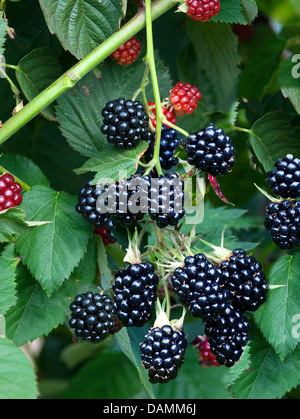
column 135, row 293
column 125, row 123
column 211, row 151
column 163, row 353
column 220, row 295
column 283, row 217
column 129, row 200
column 168, row 145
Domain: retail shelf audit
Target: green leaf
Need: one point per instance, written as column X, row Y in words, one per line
column 262, row 64
column 36, row 72
column 3, row 27
column 250, row 10
column 293, row 93
column 17, row 378
column 8, row 266
column 34, row 314
column 79, row 111
column 82, row 25
column 106, row 274
column 191, row 73
column 24, row 168
column 12, row 221
column 289, row 73
column 111, row 161
column 273, row 138
column 56, row 248
column 109, row 376
column 276, row 317
column 267, row 377
column 129, row 344
column 231, row 12
column 216, row 42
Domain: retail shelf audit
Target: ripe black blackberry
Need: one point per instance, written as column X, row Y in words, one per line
column 166, row 199
column 135, row 289
column 198, row 286
column 125, row 123
column 285, row 179
column 245, row 280
column 283, row 220
column 163, row 353
column 228, row 335
column 87, row 207
column 93, row 316
column 121, row 203
column 210, row 150
column 168, row 145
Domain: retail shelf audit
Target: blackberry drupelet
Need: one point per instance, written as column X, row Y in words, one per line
column 211, row 151
column 166, row 200
column 283, row 221
column 135, row 289
column 285, row 179
column 198, row 286
column 93, row 317
column 228, row 335
column 87, row 207
column 245, row 280
column 163, row 353
column 168, row 145
column 125, row 123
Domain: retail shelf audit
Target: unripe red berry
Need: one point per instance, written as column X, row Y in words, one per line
column 128, row 52
column 203, row 10
column 184, row 98
column 10, row 192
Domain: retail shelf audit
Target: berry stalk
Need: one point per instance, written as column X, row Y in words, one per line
column 150, row 61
